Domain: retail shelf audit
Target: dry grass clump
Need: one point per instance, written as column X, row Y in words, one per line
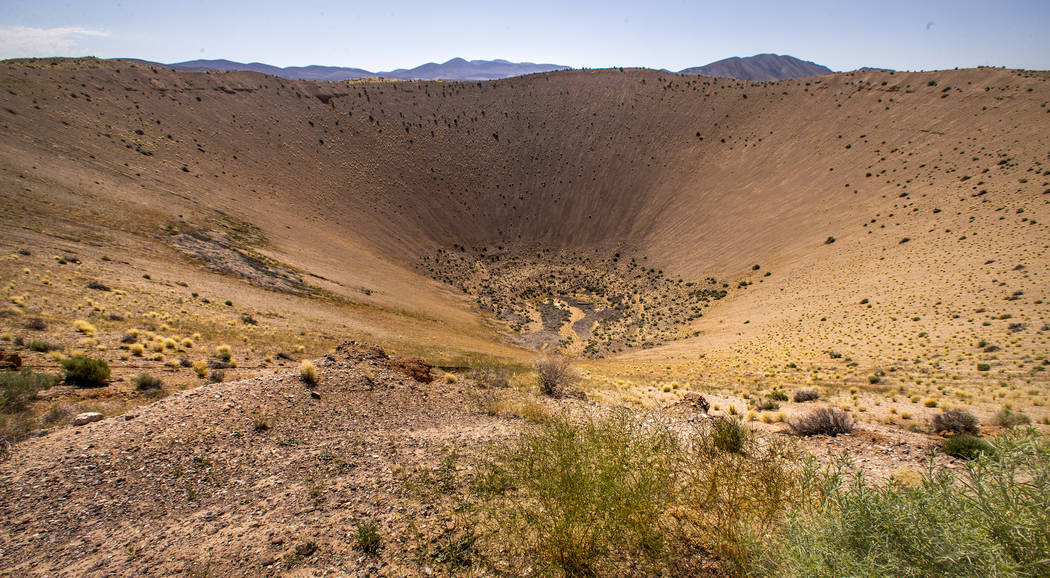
column 84, row 327
column 823, row 421
column 308, row 372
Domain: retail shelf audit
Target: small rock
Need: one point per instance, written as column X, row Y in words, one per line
column 315, row 395
column 87, row 417
column 10, row 360
column 266, row 559
column 305, row 549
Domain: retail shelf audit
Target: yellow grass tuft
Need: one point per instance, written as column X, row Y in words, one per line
column 308, row 371
column 84, row 327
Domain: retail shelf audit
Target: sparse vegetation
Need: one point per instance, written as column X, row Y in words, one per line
column 804, row 395
column 955, row 421
column 146, row 382
column 966, row 446
column 366, row 537
column 990, row 519
column 308, row 372
column 729, row 434
column 823, row 421
column 1010, row 418
column 85, row 371
column 17, row 388
column 556, row 375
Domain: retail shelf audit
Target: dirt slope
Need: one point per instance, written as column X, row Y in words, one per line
column 355, row 182
column 194, row 484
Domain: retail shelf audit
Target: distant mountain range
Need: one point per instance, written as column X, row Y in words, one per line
column 761, row 67
column 455, row 69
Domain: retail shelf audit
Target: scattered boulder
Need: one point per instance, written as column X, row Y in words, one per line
column 87, row 417
column 10, row 360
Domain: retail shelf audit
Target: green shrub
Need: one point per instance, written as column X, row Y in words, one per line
column 990, row 519
column 766, row 404
column 955, row 421
column 729, row 434
column 144, row 381
column 40, row 346
column 966, row 446
column 983, row 367
column 85, row 371
column 1009, row 418
column 777, row 395
column 366, row 537
column 17, row 389
column 585, row 496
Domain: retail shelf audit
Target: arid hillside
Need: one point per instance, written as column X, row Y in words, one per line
column 893, row 219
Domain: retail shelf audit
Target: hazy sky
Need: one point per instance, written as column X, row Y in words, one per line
column 673, row 34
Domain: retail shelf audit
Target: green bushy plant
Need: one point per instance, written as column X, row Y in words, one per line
column 85, row 371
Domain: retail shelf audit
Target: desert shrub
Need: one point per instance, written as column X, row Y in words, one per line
column 874, row 379
column 989, row 519
column 955, row 421
column 984, row 367
column 366, row 537
column 585, row 495
column 145, row 381
column 308, row 371
column 823, row 421
column 41, row 346
column 17, row 389
column 766, row 404
column 85, row 371
column 217, row 376
column 200, row 367
column 556, row 375
column 36, row 324
column 498, row 377
column 57, row 414
column 777, row 395
column 13, row 428
column 804, row 395
column 1009, row 418
column 966, row 446
column 223, row 352
column 729, row 434
column 732, row 502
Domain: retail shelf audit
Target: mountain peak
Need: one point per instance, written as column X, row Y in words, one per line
column 760, row 67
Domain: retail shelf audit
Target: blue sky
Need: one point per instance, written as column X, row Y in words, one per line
column 673, row 34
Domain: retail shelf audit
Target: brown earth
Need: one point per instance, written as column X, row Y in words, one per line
column 883, row 239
